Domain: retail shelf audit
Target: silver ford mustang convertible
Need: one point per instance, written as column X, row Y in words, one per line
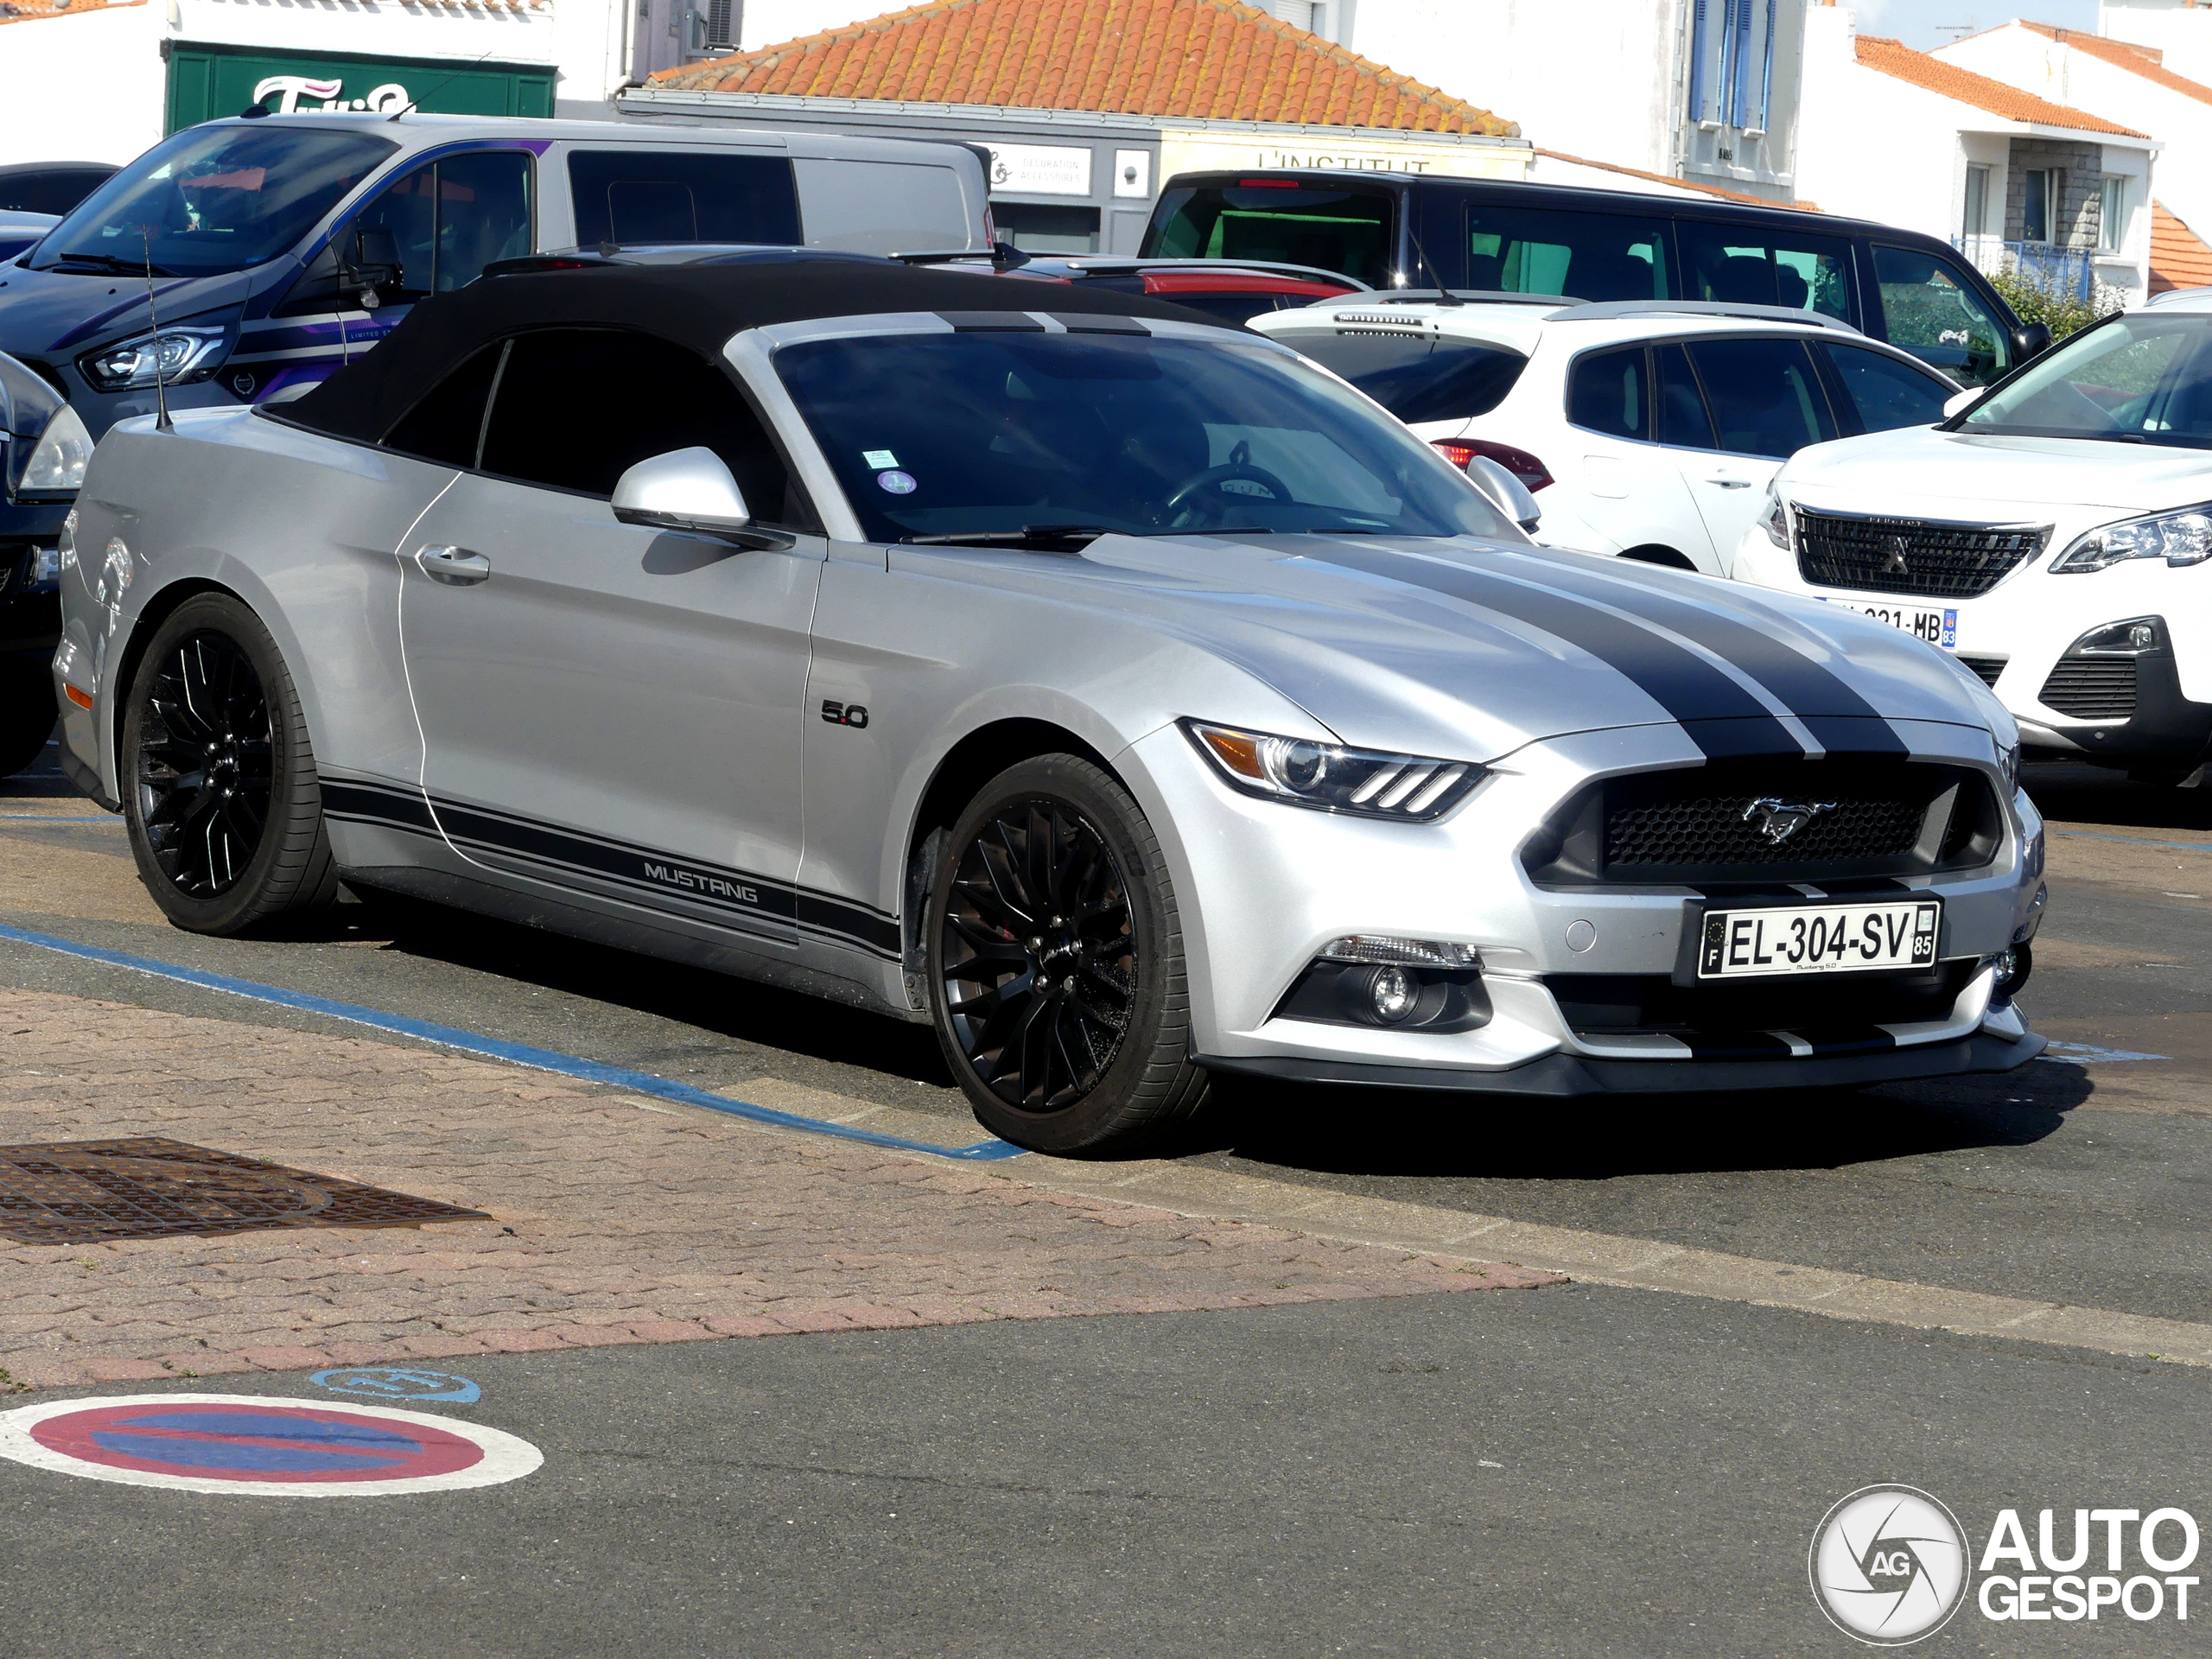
column 1121, row 693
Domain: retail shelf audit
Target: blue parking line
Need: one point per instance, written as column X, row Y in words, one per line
column 542, row 1059
column 25, row 818
column 2136, row 840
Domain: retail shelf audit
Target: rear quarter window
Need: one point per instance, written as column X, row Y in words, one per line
column 1419, row 379
column 1279, row 220
column 638, row 195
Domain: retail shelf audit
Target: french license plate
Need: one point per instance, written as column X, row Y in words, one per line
column 1818, row 939
column 1937, row 626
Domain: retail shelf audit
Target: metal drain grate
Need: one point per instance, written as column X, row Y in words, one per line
column 81, row 1191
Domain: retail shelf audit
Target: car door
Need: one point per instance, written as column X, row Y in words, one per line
column 606, row 707
column 1628, row 488
column 1766, row 401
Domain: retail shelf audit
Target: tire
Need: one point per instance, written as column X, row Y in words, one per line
column 1070, row 1037
column 28, row 713
column 219, row 781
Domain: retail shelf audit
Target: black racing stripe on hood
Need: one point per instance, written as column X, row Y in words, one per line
column 1823, row 700
column 1721, row 717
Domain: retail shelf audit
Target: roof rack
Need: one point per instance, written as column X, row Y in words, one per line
column 1107, row 265
column 999, row 255
column 1583, row 311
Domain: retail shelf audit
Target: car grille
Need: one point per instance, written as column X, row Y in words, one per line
column 1905, row 555
column 1988, row 668
column 2092, row 687
column 1703, row 825
column 1601, row 1005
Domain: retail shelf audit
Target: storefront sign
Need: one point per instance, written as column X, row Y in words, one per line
column 208, row 81
column 1041, row 169
column 295, row 93
column 1214, row 152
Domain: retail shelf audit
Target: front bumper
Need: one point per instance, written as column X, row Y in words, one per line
column 1262, row 887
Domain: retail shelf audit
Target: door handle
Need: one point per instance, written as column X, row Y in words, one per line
column 456, row 567
column 1730, row 483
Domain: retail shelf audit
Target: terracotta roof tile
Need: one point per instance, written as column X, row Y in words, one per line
column 1203, row 60
column 2136, row 60
column 32, row 11
column 1895, row 58
column 2179, row 257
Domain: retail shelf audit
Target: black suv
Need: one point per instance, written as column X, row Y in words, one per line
column 1494, row 235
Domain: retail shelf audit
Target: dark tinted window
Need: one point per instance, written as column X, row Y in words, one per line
column 1884, row 392
column 1765, row 397
column 1683, row 421
column 1419, row 379
column 1931, row 309
column 1607, row 393
column 1587, row 255
column 49, row 190
column 1740, row 264
column 1043, row 229
column 436, row 227
column 576, row 407
column 639, row 195
column 448, row 423
column 1349, row 231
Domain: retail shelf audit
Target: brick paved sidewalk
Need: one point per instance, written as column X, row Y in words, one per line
column 613, row 1221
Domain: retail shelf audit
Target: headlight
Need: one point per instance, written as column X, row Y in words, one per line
column 2183, row 537
column 57, row 463
column 1333, row 779
column 1774, row 519
column 182, row 354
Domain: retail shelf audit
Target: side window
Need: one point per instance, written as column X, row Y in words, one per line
column 1884, row 392
column 1765, row 395
column 448, row 425
column 428, row 232
column 637, row 195
column 1683, row 420
column 483, row 215
column 1750, row 265
column 1932, row 311
column 539, row 433
column 1586, row 255
column 1606, row 392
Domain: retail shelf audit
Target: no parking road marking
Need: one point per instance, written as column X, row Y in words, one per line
column 261, row 1447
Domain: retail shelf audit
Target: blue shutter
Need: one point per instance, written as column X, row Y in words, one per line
column 1700, row 45
column 1739, row 62
column 1766, row 71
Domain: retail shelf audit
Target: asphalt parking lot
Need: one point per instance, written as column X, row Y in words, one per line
column 1316, row 1478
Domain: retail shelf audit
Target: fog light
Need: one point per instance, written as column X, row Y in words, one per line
column 2142, row 636
column 1392, row 992
column 2013, row 965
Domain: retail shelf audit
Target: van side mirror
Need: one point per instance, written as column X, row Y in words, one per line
column 691, row 492
column 2030, row 339
column 1959, row 401
column 375, row 264
column 1510, row 494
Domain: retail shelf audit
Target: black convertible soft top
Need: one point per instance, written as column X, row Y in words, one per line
column 695, row 305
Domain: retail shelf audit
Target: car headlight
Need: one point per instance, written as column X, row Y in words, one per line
column 180, row 355
column 57, row 463
column 1774, row 519
column 1331, row 777
column 2183, row 537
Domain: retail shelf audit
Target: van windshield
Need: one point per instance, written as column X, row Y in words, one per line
column 1348, row 229
column 213, row 199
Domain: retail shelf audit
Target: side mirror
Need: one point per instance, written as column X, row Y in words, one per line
column 375, row 264
column 1959, row 401
column 2032, row 339
column 690, row 491
column 1509, row 492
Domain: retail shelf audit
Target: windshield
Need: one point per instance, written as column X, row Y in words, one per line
column 950, row 436
column 2144, row 378
column 1418, row 377
column 214, row 199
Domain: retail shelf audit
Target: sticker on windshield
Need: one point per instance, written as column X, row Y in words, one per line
column 897, row 483
column 879, row 459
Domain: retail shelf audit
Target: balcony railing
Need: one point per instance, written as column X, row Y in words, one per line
column 2063, row 273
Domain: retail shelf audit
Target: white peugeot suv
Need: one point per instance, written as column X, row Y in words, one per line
column 1650, row 427
column 2052, row 534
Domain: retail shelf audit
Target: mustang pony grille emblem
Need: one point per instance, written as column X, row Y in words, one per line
column 1895, row 564
column 1777, row 819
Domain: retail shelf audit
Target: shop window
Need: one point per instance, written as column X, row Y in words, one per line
column 1038, row 229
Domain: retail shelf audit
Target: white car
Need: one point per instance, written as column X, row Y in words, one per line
column 1651, row 427
column 2048, row 534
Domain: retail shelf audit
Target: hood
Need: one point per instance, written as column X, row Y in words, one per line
column 56, row 314
column 1916, row 468
column 1474, row 649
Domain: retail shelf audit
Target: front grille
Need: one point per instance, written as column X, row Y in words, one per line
column 1988, row 668
column 1701, row 824
column 2092, row 687
column 1907, row 556
column 1600, row 1005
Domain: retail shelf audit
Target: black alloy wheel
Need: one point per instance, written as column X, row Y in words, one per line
column 1056, row 962
column 205, row 762
column 220, row 789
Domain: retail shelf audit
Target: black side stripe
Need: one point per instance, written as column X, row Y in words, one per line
column 1839, row 718
column 404, row 809
column 1721, row 717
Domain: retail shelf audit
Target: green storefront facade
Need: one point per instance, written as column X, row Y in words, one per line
column 208, row 81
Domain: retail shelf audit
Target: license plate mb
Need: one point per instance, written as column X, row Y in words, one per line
column 1937, row 626
column 1818, row 939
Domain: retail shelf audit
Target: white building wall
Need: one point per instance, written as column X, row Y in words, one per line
column 87, row 88
column 1872, row 146
column 2181, row 29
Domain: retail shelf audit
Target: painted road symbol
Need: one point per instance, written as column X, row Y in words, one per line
column 393, row 1382
column 261, row 1446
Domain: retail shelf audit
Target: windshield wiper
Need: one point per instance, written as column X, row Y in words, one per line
column 111, row 261
column 1051, row 537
